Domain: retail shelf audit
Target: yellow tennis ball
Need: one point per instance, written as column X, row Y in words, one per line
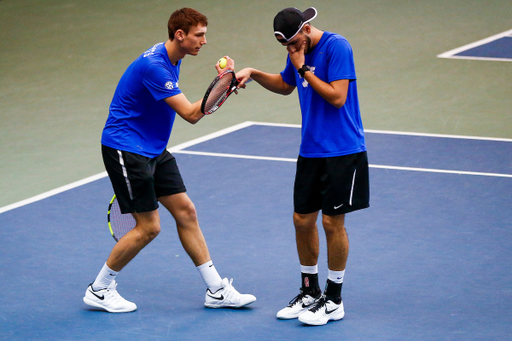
column 223, row 62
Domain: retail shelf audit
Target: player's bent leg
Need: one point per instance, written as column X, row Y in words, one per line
column 192, row 239
column 147, row 228
column 191, row 236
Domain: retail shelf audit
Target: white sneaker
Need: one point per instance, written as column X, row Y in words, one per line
column 324, row 311
column 108, row 299
column 227, row 297
column 298, row 305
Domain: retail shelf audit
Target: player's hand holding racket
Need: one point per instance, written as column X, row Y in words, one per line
column 219, row 90
column 221, row 87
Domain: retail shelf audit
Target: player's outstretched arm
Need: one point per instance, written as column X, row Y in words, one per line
column 270, row 81
column 190, row 112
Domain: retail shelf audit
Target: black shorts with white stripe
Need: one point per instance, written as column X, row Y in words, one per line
column 139, row 181
column 335, row 185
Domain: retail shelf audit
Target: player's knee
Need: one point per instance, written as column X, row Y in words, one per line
column 303, row 222
column 150, row 231
column 155, row 231
column 333, row 225
column 188, row 212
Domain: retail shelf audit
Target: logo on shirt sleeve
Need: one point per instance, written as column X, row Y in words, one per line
column 151, row 51
column 170, row 85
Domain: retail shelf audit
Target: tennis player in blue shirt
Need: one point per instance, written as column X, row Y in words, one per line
column 332, row 167
column 143, row 173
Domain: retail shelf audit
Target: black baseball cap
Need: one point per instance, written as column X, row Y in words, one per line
column 289, row 22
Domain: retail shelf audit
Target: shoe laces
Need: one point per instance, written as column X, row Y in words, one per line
column 112, row 287
column 114, row 295
column 230, row 291
column 297, row 299
column 321, row 303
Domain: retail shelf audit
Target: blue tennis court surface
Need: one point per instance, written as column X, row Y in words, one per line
column 495, row 48
column 429, row 260
column 499, row 48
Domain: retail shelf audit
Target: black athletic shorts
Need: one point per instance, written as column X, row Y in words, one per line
column 139, row 181
column 335, row 185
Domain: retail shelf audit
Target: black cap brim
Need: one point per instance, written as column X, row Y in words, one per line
column 309, row 14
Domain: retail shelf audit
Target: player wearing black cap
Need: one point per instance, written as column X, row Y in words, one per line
column 332, row 167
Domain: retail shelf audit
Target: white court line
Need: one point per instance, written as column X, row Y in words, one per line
column 405, row 133
column 236, row 156
column 104, row 174
column 178, row 149
column 410, row 169
column 432, row 170
column 210, row 136
column 461, row 137
column 53, row 192
column 452, row 53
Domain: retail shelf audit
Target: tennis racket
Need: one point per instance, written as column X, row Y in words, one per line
column 118, row 223
column 219, row 90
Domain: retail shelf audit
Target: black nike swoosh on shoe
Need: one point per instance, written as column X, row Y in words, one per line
column 215, row 297
column 308, row 305
column 102, row 297
column 327, row 311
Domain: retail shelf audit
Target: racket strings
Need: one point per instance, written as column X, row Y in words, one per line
column 218, row 93
column 120, row 223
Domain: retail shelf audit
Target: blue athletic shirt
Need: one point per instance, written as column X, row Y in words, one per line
column 326, row 130
column 139, row 119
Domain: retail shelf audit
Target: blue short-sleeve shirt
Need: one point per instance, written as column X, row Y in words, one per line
column 139, row 119
column 328, row 131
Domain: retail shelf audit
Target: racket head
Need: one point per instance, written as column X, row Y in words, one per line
column 119, row 224
column 219, row 90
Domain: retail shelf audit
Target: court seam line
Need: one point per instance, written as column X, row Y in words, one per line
column 179, row 147
column 413, row 169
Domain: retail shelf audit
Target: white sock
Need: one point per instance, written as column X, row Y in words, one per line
column 309, row 269
column 105, row 278
column 336, row 276
column 210, row 276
